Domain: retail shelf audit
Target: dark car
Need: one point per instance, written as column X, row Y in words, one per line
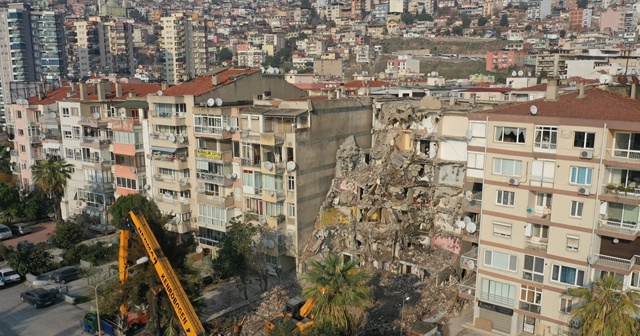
column 20, row 229
column 38, row 297
column 66, row 274
column 25, row 244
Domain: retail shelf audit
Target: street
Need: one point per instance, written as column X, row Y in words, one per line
column 40, row 233
column 19, row 318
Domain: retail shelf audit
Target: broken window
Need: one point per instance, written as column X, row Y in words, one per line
column 424, row 146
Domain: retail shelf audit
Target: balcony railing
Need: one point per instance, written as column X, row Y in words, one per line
column 173, row 115
column 619, row 227
column 536, row 245
column 624, row 154
column 469, row 258
column 251, row 162
column 468, row 286
column 530, row 307
column 615, row 262
column 544, row 213
column 14, row 153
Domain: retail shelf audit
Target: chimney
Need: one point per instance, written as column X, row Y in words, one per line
column 581, row 90
column 634, row 89
column 552, row 89
column 165, row 85
column 83, row 91
column 40, row 92
column 118, row 89
column 472, row 101
column 132, row 93
column 74, row 87
column 101, row 91
column 214, row 80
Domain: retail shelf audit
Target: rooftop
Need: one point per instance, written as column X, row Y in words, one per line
column 203, row 84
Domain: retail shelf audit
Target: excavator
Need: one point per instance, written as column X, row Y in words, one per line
column 184, row 310
column 298, row 311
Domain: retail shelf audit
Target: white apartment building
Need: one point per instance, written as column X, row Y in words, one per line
column 184, row 45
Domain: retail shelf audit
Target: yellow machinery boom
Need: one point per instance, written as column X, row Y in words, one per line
column 184, row 310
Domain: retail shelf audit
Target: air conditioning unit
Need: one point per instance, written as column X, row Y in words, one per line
column 514, row 181
column 583, row 191
column 586, row 154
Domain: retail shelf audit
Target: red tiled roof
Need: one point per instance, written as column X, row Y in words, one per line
column 51, row 96
column 141, row 90
column 202, row 85
column 597, row 104
column 486, row 89
column 539, row 87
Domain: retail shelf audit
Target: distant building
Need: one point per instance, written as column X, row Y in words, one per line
column 184, row 44
column 503, row 59
column 580, row 18
column 616, row 21
column 328, row 67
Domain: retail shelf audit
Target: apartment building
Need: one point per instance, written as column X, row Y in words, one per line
column 31, row 48
column 104, row 143
column 251, row 57
column 504, row 59
column 184, row 45
column 553, row 65
column 580, row 18
column 552, row 204
column 194, row 144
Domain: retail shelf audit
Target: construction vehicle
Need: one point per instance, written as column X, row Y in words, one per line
column 184, row 310
column 298, row 311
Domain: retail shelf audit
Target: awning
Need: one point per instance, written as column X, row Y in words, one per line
column 133, row 104
column 281, row 112
column 163, row 149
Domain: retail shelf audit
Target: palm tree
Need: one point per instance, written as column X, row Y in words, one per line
column 51, row 175
column 338, row 291
column 607, row 309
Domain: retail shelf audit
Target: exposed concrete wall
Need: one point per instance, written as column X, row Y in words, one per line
column 245, row 87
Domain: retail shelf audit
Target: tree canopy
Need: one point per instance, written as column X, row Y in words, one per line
column 51, row 175
column 482, row 21
column 504, row 20
column 225, row 54
column 72, row 232
column 33, row 259
column 120, row 209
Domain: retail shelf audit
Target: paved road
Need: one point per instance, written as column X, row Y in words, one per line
column 18, row 318
column 40, row 233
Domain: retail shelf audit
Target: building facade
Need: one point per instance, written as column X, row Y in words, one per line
column 184, row 46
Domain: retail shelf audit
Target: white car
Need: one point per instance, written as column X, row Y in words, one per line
column 8, row 276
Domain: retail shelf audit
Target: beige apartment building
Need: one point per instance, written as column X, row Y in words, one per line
column 552, row 188
column 184, row 45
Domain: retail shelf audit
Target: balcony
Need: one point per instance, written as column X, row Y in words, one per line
column 171, row 182
column 541, row 213
column 222, row 180
column 536, row 244
column 93, row 122
column 473, row 202
column 168, row 118
column 469, row 260
column 123, row 124
column 169, row 140
column 272, row 139
column 623, row 228
column 14, row 153
column 96, row 163
column 614, row 262
column 207, row 242
column 52, row 138
column 251, row 162
column 170, row 161
column 250, row 137
column 173, row 203
column 95, row 143
column 50, row 118
column 467, row 288
column 217, row 201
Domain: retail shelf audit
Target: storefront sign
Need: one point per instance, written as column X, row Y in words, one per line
column 207, row 154
column 495, row 308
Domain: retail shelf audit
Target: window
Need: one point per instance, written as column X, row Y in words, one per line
column 478, row 129
column 499, row 260
column 533, row 268
column 635, row 279
column 20, row 132
column 507, row 167
column 566, row 305
column 207, row 124
column 581, row 175
column 291, row 210
column 291, row 182
column 502, row 229
column 576, row 209
column 475, row 160
column 126, row 183
column 498, row 292
column 567, row 275
column 573, row 242
column 543, row 171
column 538, row 231
column 23, row 148
column 65, row 112
column 68, row 153
column 212, row 215
column 274, row 209
column 546, row 137
column 584, row 140
column 76, row 132
column 67, row 134
column 504, row 197
column 510, row 134
column 19, row 114
column 530, row 298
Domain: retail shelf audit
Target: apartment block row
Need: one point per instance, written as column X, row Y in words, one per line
column 205, row 151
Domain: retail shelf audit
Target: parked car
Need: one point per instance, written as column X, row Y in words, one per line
column 5, row 232
column 66, row 274
column 25, row 244
column 21, row 229
column 38, row 297
column 8, row 276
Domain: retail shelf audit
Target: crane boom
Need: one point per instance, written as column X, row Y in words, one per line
column 184, row 310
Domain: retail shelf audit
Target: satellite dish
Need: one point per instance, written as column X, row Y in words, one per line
column 159, row 93
column 461, row 225
column 622, row 80
column 167, row 194
column 172, row 138
column 466, row 220
column 181, row 138
column 147, row 187
column 529, row 74
column 183, row 183
column 634, row 80
column 96, row 115
column 520, row 73
column 291, row 166
column 468, row 134
column 604, row 79
column 533, row 109
column 276, row 71
column 218, row 102
column 227, row 176
column 262, row 69
column 232, row 130
column 199, row 249
column 268, row 165
column 148, row 156
column 514, row 73
column 468, row 195
column 234, row 175
column 263, row 220
column 471, row 227
column 123, row 111
column 592, row 259
column 52, row 115
column 436, row 73
column 471, row 264
column 227, row 128
column 210, row 102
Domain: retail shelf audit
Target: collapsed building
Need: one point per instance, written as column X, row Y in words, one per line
column 397, row 206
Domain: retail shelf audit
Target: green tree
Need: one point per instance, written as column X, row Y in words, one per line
column 407, row 18
column 583, row 3
column 51, row 175
column 35, row 260
column 72, row 232
column 466, row 21
column 238, row 252
column 36, row 205
column 424, row 16
column 339, row 292
column 607, row 309
column 528, row 28
column 482, row 21
column 10, row 200
column 457, row 30
column 225, row 55
column 563, row 33
column 120, row 209
column 504, row 20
